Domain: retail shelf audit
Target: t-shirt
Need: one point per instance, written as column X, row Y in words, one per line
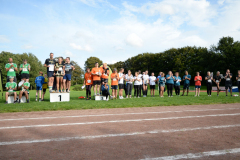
column 198, row 82
column 186, row 81
column 50, row 62
column 105, row 72
column 217, row 79
column 162, row 80
column 140, row 77
column 121, row 80
column 170, row 80
column 129, row 78
column 152, row 80
column 228, row 79
column 45, row 85
column 209, row 80
column 25, row 68
column 114, row 79
column 12, row 85
column 136, row 82
column 177, row 83
column 145, row 79
column 238, row 77
column 88, row 78
column 11, row 71
column 26, row 84
column 68, row 68
column 96, row 71
column 60, row 68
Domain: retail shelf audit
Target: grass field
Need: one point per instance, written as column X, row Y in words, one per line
column 149, row 101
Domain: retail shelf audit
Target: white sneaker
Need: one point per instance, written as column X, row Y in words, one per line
column 195, row 96
column 36, row 100
column 138, row 97
column 171, row 96
column 134, row 96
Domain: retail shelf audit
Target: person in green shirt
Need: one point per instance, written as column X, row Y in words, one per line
column 24, row 69
column 11, row 69
column 11, row 88
column 24, row 90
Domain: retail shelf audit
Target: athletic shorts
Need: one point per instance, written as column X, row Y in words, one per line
column 11, row 93
column 145, row 84
column 24, row 75
column 114, row 87
column 152, row 86
column 104, row 80
column 50, row 74
column 121, row 86
column 39, row 88
column 186, row 86
column 14, row 80
column 96, row 83
column 44, row 90
column 162, row 85
column 67, row 77
column 197, row 86
column 60, row 76
column 228, row 86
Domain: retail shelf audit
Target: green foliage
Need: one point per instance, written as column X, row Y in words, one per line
column 78, row 88
column 90, row 62
column 77, row 74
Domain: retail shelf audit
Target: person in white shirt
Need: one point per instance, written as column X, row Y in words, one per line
column 152, row 81
column 121, row 83
column 141, row 84
column 145, row 83
column 137, row 85
column 129, row 79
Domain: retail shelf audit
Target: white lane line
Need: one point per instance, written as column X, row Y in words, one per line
column 116, row 135
column 117, row 121
column 197, row 155
column 120, row 114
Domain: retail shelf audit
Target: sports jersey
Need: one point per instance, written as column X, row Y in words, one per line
column 11, row 71
column 12, row 85
column 228, row 79
column 145, row 78
column 26, row 84
column 209, row 79
column 162, row 80
column 177, row 83
column 88, row 78
column 50, row 62
column 217, row 79
column 68, row 68
column 238, row 77
column 120, row 81
column 198, row 82
column 25, row 68
column 105, row 73
column 186, row 81
column 114, row 79
column 39, row 81
column 152, row 80
column 60, row 68
column 170, row 80
column 45, row 85
column 96, row 71
column 136, row 82
column 129, row 78
column 140, row 77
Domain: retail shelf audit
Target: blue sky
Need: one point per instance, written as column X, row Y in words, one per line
column 113, row 30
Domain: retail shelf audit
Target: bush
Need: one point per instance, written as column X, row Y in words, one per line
column 78, row 88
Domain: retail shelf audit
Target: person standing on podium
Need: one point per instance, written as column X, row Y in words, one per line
column 50, row 64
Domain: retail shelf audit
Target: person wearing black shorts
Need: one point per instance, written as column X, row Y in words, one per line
column 152, row 82
column 121, row 83
column 217, row 79
column 238, row 81
column 24, row 69
column 50, row 64
column 228, row 82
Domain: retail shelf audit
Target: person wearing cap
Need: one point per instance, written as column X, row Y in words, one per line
column 24, row 69
column 50, row 64
column 44, row 86
column 11, row 88
column 11, row 69
column 114, row 83
column 39, row 82
column 105, row 90
column 96, row 72
column 88, row 81
column 24, row 90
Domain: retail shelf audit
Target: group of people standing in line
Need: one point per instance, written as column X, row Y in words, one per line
column 98, row 78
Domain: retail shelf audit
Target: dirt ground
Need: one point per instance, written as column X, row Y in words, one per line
column 175, row 132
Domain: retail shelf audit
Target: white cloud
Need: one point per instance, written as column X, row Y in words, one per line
column 4, row 39
column 220, row 2
column 134, row 40
column 78, row 47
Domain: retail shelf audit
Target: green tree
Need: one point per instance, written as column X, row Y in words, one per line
column 77, row 74
column 90, row 62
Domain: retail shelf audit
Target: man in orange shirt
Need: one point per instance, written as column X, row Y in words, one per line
column 114, row 83
column 88, row 81
column 105, row 74
column 198, row 80
column 96, row 73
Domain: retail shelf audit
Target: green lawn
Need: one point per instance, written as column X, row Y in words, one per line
column 149, row 101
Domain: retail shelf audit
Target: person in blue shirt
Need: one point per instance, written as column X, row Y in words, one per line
column 159, row 88
column 170, row 83
column 39, row 82
column 162, row 82
column 177, row 83
column 105, row 90
column 186, row 79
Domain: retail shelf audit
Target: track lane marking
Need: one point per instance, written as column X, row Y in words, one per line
column 115, row 135
column 116, row 121
column 103, row 115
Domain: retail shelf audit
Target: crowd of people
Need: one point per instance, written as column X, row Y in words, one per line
column 59, row 73
column 98, row 78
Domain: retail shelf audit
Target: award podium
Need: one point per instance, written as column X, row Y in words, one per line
column 59, row 97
